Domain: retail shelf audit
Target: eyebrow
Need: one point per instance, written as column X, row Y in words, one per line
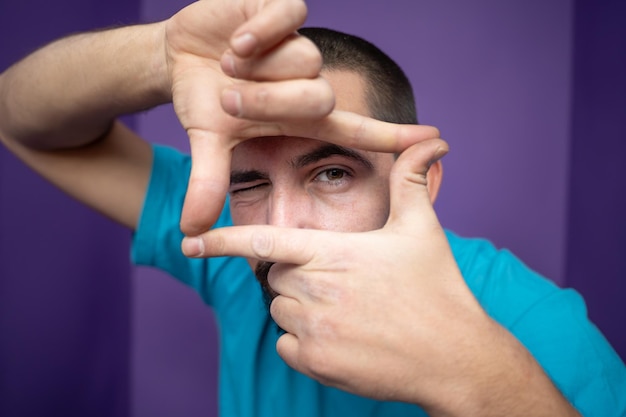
column 241, row 177
column 328, row 150
column 316, row 155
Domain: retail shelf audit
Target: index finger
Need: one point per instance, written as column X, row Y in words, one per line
column 265, row 243
column 208, row 182
column 342, row 128
column 356, row 131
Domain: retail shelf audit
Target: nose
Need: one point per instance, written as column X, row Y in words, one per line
column 290, row 209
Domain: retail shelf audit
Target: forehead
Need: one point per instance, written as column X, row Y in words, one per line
column 349, row 88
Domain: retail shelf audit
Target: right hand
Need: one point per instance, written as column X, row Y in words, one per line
column 238, row 70
column 198, row 38
column 383, row 314
column 386, row 314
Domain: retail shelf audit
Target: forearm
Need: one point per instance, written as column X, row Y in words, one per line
column 501, row 378
column 67, row 93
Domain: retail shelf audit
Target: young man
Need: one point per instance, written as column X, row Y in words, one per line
column 403, row 319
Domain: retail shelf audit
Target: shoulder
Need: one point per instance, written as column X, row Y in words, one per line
column 504, row 285
column 551, row 322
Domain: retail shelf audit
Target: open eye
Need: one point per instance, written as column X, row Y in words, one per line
column 332, row 174
column 333, row 177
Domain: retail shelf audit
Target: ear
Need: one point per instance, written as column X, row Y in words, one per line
column 434, row 176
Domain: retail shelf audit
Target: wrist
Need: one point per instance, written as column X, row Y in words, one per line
column 158, row 66
column 501, row 377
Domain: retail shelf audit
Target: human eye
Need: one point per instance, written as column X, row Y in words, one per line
column 247, row 189
column 333, row 176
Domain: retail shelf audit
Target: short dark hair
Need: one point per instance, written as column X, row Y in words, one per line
column 389, row 94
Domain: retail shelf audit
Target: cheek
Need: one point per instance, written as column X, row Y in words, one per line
column 374, row 210
column 359, row 211
column 365, row 207
column 371, row 214
column 246, row 214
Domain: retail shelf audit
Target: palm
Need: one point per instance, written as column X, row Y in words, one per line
column 196, row 42
column 197, row 37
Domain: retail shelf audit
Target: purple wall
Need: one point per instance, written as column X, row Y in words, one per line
column 495, row 78
column 518, row 88
column 596, row 262
column 64, row 271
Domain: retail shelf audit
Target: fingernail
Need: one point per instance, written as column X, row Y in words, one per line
column 228, row 65
column 193, row 246
column 244, row 44
column 231, row 102
column 440, row 153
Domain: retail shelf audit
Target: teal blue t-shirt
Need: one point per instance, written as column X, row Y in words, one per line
column 254, row 381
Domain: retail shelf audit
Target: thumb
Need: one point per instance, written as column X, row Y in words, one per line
column 208, row 182
column 410, row 205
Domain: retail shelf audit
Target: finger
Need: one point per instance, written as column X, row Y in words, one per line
column 285, row 100
column 283, row 278
column 265, row 243
column 267, row 27
column 342, row 128
column 296, row 57
column 287, row 348
column 410, row 204
column 356, row 131
column 208, row 182
column 285, row 311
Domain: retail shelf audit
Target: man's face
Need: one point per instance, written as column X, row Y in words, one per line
column 306, row 183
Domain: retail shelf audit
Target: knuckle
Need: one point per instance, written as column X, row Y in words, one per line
column 315, row 362
column 297, row 12
column 320, row 327
column 262, row 245
column 261, row 97
column 310, row 58
column 321, row 97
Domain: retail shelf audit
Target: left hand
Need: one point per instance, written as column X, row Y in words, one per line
column 387, row 315
column 374, row 313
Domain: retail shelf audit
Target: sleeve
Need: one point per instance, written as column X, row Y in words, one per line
column 156, row 242
column 574, row 353
column 551, row 322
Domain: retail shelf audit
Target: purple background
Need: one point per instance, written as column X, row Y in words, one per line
column 530, row 95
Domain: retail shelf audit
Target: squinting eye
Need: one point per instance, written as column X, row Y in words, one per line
column 332, row 174
column 248, row 189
